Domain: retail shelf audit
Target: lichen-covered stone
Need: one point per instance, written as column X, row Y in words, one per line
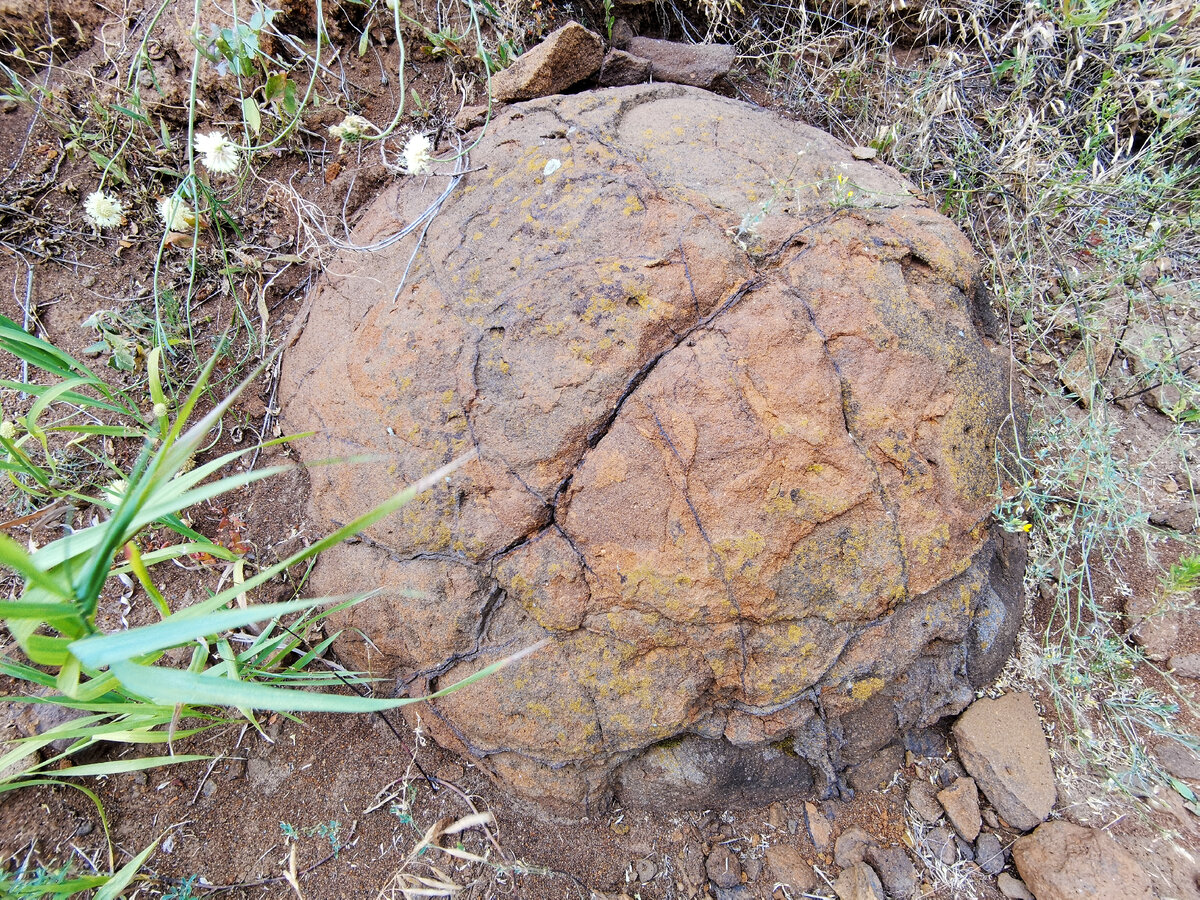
column 736, row 433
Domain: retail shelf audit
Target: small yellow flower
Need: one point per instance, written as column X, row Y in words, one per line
column 219, row 154
column 418, row 154
column 103, row 210
column 177, row 215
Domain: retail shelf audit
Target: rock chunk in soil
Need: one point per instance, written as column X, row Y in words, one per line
column 820, row 829
column 698, row 65
column 961, row 803
column 1063, row 861
column 859, row 882
column 941, row 843
column 620, row 68
column 989, row 853
column 1002, row 745
column 721, row 470
column 1013, row 888
column 1185, row 665
column 724, row 869
column 786, row 865
column 851, row 846
column 566, row 57
column 922, row 797
column 896, row 871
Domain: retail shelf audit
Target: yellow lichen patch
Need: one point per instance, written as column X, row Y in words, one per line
column 865, row 688
column 632, row 205
column 739, row 553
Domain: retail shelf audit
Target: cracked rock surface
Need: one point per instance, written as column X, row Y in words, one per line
column 737, row 434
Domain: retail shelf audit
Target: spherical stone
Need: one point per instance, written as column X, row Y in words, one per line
column 737, row 436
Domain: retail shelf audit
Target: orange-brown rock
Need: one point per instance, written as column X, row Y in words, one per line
column 737, row 436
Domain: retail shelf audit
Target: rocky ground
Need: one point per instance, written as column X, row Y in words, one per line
column 997, row 803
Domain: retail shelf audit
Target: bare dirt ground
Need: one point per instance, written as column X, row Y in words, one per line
column 337, row 804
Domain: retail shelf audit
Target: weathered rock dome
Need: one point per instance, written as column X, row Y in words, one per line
column 737, row 438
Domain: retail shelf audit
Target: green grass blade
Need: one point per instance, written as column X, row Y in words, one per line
column 104, row 650
column 120, row 880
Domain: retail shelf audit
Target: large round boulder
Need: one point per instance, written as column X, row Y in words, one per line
column 737, row 440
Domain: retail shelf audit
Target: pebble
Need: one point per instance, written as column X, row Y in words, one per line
column 859, row 882
column 85, row 828
column 723, row 867
column 1013, row 888
column 209, row 788
column 961, row 802
column 621, row 828
column 753, row 869
column 819, row 828
column 989, row 853
column 776, row 817
column 895, row 870
column 923, row 799
column 646, row 870
column 851, row 846
column 941, row 842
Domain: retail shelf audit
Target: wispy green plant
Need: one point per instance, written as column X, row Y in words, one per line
column 117, row 679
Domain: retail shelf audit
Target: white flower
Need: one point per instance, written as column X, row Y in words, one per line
column 418, row 154
column 8, row 430
column 351, row 129
column 114, row 491
column 103, row 210
column 220, row 154
column 160, row 410
column 176, row 214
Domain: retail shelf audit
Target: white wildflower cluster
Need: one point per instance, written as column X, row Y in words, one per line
column 103, row 210
column 350, row 130
column 217, row 152
column 8, row 430
column 176, row 214
column 418, row 154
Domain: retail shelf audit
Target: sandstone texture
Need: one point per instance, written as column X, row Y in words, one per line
column 566, row 57
column 1062, row 861
column 698, row 65
column 1002, row 745
column 736, row 439
column 620, row 68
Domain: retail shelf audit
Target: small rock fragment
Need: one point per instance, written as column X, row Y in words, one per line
column 819, row 828
column 851, row 847
column 993, row 820
column 961, row 803
column 895, row 870
column 940, row 841
column 777, row 816
column 621, row 68
column 989, row 853
column 864, row 152
column 1002, row 745
column 566, row 57
column 723, row 867
column 700, row 65
column 1178, row 760
column 1185, row 665
column 859, row 882
column 1062, row 861
column 788, row 866
column 470, row 117
column 646, row 870
column 923, row 799
column 753, row 869
column 1013, row 888
column 949, row 772
column 689, row 863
